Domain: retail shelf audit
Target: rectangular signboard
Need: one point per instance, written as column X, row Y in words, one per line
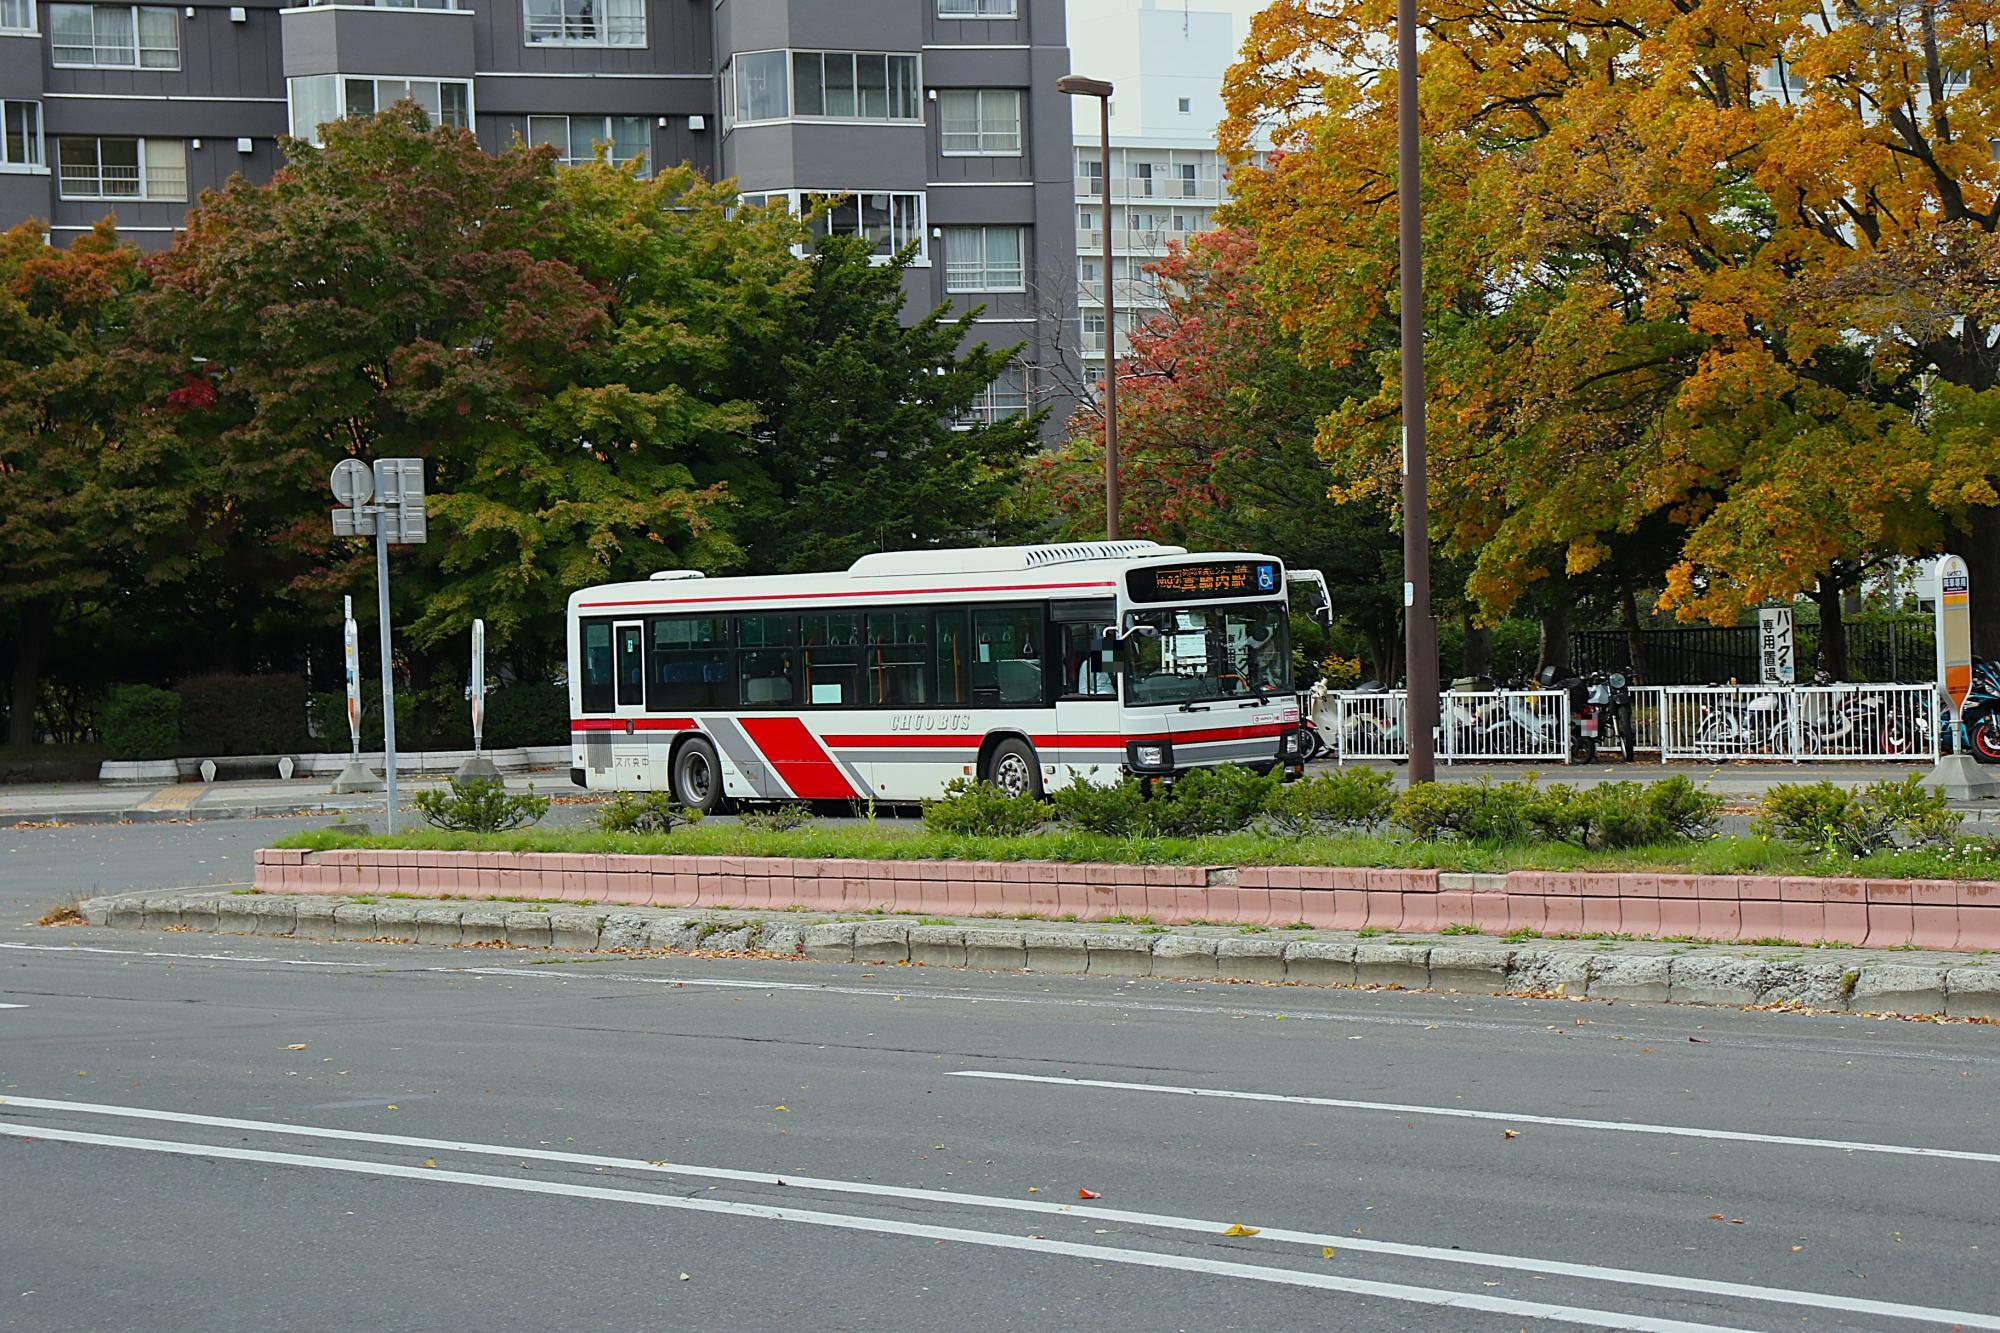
column 1205, row 582
column 1777, row 646
column 1954, row 630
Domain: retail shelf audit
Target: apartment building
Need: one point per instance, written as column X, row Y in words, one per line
column 1166, row 59
column 937, row 120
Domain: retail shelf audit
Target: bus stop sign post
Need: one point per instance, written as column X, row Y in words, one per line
column 1956, row 774
column 356, row 777
column 478, row 766
column 397, row 516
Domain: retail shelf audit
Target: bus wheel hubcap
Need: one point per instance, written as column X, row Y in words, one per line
column 1012, row 775
column 697, row 778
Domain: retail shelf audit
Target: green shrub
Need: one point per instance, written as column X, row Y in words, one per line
column 982, row 810
column 527, row 715
column 1878, row 817
column 140, row 722
column 1683, row 809
column 230, row 715
column 1344, row 800
column 1119, row 810
column 645, row 812
column 329, row 712
column 1560, row 813
column 778, row 818
column 1223, row 799
column 1615, row 815
column 1480, row 811
column 479, row 805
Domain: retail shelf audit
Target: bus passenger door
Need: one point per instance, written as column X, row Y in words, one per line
column 1086, row 693
column 632, row 765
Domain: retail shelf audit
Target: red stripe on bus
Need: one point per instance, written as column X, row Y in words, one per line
column 637, row 723
column 804, row 766
column 856, row 595
column 903, row 740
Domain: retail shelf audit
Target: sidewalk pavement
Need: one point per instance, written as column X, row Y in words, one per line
column 1775, row 975
column 82, row 802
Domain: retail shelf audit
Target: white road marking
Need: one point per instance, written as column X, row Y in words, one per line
column 1510, row 1117
column 1393, row 1291
column 13, row 1006
column 1166, row 1221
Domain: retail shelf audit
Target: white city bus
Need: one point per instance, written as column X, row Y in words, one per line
column 1028, row 666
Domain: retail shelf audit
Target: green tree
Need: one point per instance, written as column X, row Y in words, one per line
column 90, row 481
column 864, row 442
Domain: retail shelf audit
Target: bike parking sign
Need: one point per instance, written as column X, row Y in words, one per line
column 1777, row 645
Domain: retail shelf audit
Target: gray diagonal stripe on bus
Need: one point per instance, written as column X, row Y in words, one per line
column 735, row 743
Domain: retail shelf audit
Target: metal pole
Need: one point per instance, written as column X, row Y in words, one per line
column 388, row 669
column 1110, row 335
column 1420, row 630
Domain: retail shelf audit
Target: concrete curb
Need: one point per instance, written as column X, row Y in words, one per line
column 1954, row 987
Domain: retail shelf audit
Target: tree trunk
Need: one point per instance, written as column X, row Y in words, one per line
column 1635, row 641
column 1554, row 650
column 1981, row 549
column 1478, row 658
column 1832, row 631
column 31, row 653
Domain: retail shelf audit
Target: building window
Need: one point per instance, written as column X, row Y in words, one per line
column 983, row 259
column 17, row 15
column 575, row 138
column 754, row 88
column 584, row 23
column 975, row 9
column 325, row 97
column 388, row 4
column 1187, row 106
column 1189, row 182
column 20, row 134
column 980, row 121
column 890, row 220
column 850, row 85
column 1006, row 396
column 115, row 36
column 122, row 169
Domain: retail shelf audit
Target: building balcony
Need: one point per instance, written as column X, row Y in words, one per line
column 1158, row 187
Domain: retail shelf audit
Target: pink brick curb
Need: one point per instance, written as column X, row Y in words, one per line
column 1933, row 914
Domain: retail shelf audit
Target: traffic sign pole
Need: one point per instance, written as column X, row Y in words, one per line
column 388, row 676
column 397, row 487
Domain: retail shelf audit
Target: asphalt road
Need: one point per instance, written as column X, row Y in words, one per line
column 405, row 1137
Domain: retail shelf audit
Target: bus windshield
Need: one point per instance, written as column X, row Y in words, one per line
column 1207, row 653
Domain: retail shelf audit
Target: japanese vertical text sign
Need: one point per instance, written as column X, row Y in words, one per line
column 1777, row 652
column 1954, row 630
column 351, row 646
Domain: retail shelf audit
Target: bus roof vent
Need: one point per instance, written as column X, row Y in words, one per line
column 671, row 575
column 999, row 559
column 1068, row 552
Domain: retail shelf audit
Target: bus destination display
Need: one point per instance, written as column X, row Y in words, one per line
column 1197, row 583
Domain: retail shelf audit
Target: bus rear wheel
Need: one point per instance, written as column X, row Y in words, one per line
column 1014, row 769
column 696, row 777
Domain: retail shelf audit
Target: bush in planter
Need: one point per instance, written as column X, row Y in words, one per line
column 1338, row 802
column 1223, row 799
column 1827, row 817
column 1120, row 810
column 1468, row 811
column 229, row 715
column 479, row 805
column 645, row 812
column 982, row 810
column 140, row 722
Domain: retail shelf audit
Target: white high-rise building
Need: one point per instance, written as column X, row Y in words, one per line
column 1166, row 59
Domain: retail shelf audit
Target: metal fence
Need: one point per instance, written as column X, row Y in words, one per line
column 1703, row 723
column 1898, row 648
column 1799, row 724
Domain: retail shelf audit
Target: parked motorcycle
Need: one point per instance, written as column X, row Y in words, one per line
column 1581, row 709
column 1610, row 696
column 1311, row 744
column 1856, row 720
column 1374, row 727
column 1743, row 726
column 1980, row 720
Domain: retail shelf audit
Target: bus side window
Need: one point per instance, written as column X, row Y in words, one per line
column 631, row 664
column 948, row 636
column 597, row 685
column 764, row 653
column 898, row 646
column 1007, row 656
column 690, row 664
column 832, row 653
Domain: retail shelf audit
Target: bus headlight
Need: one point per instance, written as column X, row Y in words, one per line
column 1149, row 756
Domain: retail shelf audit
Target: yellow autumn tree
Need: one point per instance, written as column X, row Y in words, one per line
column 1713, row 290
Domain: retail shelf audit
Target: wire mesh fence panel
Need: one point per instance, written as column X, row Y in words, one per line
column 1365, row 726
column 1504, row 724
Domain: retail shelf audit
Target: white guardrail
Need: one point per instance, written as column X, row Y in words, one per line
column 1798, row 724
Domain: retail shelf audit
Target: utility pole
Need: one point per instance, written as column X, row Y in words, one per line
column 1075, row 85
column 1419, row 629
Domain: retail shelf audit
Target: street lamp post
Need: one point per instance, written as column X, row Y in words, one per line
column 1419, row 629
column 1075, row 85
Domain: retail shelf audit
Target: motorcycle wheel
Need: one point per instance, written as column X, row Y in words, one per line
column 1896, row 738
column 1586, row 750
column 1986, row 740
column 1626, row 744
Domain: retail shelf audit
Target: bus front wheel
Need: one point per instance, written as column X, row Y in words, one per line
column 697, row 776
column 1014, row 769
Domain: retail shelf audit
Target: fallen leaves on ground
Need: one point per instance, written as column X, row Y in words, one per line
column 296, row 1046
column 62, row 914
column 1238, row 1229
column 430, row 1164
column 1326, row 1252
column 1088, row 1194
column 1510, row 1133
